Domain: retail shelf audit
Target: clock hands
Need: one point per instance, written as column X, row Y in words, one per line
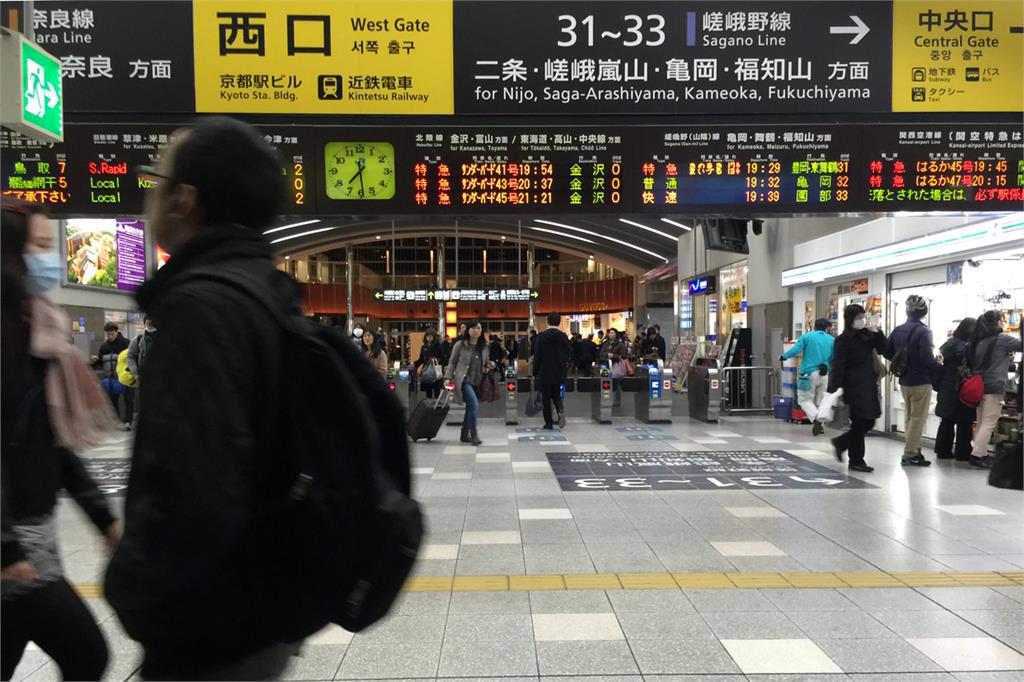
column 361, row 164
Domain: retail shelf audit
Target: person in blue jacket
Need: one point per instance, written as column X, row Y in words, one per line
column 812, row 378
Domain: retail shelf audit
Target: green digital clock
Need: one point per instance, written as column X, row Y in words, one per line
column 359, row 171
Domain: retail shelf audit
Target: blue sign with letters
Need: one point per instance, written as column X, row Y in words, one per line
column 702, row 285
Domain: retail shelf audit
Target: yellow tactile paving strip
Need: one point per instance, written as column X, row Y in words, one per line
column 691, row 581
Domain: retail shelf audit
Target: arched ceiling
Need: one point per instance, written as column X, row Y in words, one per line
column 634, row 244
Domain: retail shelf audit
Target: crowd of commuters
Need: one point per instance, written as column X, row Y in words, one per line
column 855, row 362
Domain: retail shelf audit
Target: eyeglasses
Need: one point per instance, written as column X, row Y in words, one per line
column 150, row 174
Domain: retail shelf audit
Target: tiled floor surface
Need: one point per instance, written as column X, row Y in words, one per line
column 497, row 510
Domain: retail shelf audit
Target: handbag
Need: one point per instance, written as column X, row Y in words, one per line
column 534, row 404
column 618, row 370
column 630, row 369
column 487, row 392
column 972, row 388
column 430, row 373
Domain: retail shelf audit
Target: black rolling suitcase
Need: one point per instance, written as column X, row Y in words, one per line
column 428, row 416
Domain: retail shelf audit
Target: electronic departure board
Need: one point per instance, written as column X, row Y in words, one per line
column 94, row 171
column 760, row 168
column 920, row 167
column 721, row 169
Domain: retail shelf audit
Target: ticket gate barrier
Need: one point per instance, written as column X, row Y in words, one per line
column 400, row 382
column 654, row 404
column 704, row 393
column 511, row 397
column 601, row 399
column 748, row 390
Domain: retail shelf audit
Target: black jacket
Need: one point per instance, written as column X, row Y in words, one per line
column 948, row 405
column 652, row 345
column 587, row 353
column 853, row 370
column 428, row 352
column 35, row 468
column 209, row 462
column 551, row 356
column 108, row 353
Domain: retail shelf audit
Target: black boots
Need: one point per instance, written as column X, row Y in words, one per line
column 469, row 436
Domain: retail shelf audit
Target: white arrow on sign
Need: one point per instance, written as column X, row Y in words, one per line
column 51, row 96
column 859, row 29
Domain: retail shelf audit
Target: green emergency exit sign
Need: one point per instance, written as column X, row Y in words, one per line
column 33, row 101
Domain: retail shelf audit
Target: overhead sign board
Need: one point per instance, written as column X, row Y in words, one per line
column 464, row 295
column 345, row 57
column 726, row 169
column 950, row 55
column 33, row 99
column 657, row 57
column 120, row 56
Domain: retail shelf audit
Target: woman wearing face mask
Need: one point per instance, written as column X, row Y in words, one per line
column 52, row 405
column 853, row 370
column 989, row 354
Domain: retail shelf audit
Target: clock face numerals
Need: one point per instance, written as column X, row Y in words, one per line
column 359, row 171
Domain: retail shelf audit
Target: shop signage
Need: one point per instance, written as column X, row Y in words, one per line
column 950, row 55
column 529, row 170
column 33, row 101
column 657, row 57
column 464, row 295
column 347, row 57
column 859, row 286
column 967, row 240
column 694, row 470
column 120, row 56
column 703, row 285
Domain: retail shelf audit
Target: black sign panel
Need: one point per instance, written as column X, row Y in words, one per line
column 699, row 470
column 651, row 56
column 93, row 171
column 467, row 295
column 120, row 56
column 569, row 170
column 919, row 167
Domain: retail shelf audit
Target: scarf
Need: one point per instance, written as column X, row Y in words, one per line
column 79, row 412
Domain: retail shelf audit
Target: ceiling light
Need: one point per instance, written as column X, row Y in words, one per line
column 305, row 234
column 649, row 229
column 611, row 239
column 378, row 236
column 680, row 225
column 562, row 234
column 285, row 227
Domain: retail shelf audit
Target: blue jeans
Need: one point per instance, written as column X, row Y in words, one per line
column 472, row 405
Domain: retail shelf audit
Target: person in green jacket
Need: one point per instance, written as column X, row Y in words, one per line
column 812, row 377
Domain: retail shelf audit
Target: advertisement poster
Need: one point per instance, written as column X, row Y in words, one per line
column 108, row 253
column 809, row 316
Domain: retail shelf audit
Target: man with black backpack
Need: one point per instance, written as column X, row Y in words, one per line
column 257, row 511
column 912, row 358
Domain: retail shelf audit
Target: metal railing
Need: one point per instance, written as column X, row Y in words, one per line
column 762, row 385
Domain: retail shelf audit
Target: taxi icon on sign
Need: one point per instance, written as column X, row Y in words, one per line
column 329, row 87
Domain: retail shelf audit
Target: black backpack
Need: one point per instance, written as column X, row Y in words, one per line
column 900, row 361
column 347, row 533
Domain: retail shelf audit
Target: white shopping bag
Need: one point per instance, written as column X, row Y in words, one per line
column 828, row 407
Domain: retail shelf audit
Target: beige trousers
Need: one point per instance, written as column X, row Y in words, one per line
column 916, row 401
column 989, row 409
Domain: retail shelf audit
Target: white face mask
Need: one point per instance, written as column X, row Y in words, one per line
column 860, row 323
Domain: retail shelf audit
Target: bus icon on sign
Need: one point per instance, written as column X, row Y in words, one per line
column 329, row 87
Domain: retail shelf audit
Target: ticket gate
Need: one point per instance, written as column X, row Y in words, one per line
column 400, row 382
column 601, row 399
column 654, row 403
column 511, row 397
column 705, row 393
